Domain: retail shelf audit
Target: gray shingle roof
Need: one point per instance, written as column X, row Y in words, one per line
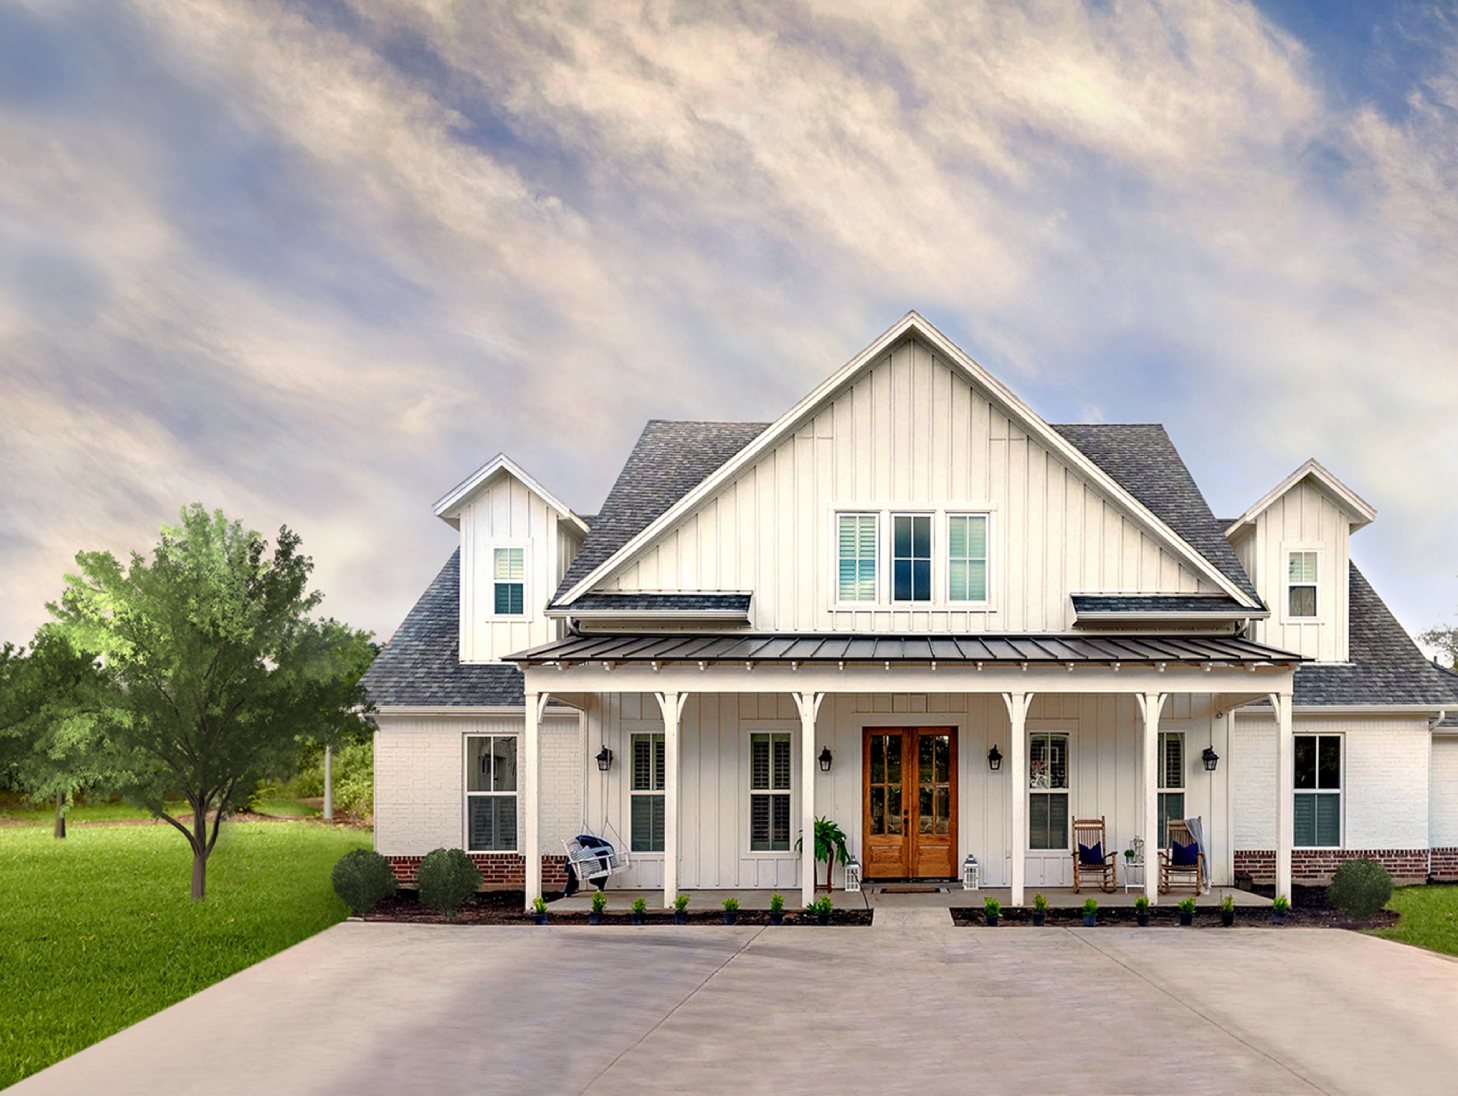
column 1156, row 603
column 685, row 602
column 1386, row 666
column 669, row 460
column 1142, row 460
column 421, row 666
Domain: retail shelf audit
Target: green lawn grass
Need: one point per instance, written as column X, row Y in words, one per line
column 97, row 931
column 17, row 811
column 1429, row 917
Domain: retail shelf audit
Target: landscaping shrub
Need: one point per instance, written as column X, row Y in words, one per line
column 447, row 879
column 1359, row 888
column 362, row 877
column 354, row 778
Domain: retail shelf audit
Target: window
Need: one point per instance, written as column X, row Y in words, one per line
column 1301, row 584
column 1048, row 791
column 1171, row 781
column 967, row 557
column 510, row 581
column 491, row 793
column 911, row 555
column 1317, row 812
column 769, row 792
column 647, row 793
column 856, row 557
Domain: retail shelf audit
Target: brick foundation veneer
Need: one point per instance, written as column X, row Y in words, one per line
column 1316, row 865
column 499, row 871
column 1445, row 865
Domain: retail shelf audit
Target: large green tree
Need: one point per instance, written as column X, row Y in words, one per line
column 217, row 671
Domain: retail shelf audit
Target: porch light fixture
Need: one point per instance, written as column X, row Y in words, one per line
column 1210, row 758
column 604, row 759
column 994, row 759
column 825, row 759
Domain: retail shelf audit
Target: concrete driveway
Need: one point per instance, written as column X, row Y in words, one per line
column 910, row 1005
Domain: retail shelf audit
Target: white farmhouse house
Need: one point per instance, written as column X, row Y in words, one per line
column 912, row 606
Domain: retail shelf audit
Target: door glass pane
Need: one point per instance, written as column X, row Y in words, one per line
column 893, row 759
column 942, row 752
column 878, row 759
column 1329, row 762
column 1305, row 749
column 878, row 810
column 925, row 813
column 893, row 808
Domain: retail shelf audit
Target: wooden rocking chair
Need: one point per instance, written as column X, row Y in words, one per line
column 1097, row 863
column 1180, row 875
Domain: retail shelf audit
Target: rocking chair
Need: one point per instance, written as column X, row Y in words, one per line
column 1092, row 860
column 1183, row 863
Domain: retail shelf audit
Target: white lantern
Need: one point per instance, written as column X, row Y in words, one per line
column 970, row 873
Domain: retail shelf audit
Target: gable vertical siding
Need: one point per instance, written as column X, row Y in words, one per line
column 911, row 433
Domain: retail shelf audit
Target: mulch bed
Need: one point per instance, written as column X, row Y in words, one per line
column 505, row 908
column 1315, row 912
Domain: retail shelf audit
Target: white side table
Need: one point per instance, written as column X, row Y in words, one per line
column 1133, row 874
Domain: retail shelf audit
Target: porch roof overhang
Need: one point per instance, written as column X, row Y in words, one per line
column 854, row 662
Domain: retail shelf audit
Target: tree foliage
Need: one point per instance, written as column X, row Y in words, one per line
column 216, row 671
column 1446, row 641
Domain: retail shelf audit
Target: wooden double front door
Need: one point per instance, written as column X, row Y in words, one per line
column 910, row 823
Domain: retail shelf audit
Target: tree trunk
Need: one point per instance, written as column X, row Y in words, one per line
column 60, row 830
column 199, row 855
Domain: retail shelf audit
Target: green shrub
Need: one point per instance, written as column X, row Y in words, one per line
column 1187, row 905
column 731, row 904
column 1359, row 888
column 1141, row 904
column 446, row 879
column 1281, row 904
column 681, row 903
column 539, row 905
column 1090, row 906
column 1227, row 904
column 354, row 778
column 599, row 901
column 1040, row 903
column 640, row 905
column 992, row 907
column 363, row 878
column 777, row 903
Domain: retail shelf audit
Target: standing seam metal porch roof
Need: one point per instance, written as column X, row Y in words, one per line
column 850, row 647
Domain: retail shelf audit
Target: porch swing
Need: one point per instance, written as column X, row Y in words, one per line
column 594, row 859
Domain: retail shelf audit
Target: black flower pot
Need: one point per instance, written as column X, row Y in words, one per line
column 822, row 917
column 539, row 918
column 992, row 920
column 1039, row 918
column 1278, row 917
column 1187, row 918
column 1142, row 919
column 777, row 917
column 639, row 918
column 731, row 916
column 680, row 917
column 594, row 918
column 1227, row 917
column 1090, row 920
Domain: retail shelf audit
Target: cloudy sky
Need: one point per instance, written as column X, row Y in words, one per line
column 313, row 263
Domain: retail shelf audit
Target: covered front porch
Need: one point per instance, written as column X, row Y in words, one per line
column 727, row 748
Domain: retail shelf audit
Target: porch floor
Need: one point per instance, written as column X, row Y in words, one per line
column 873, row 896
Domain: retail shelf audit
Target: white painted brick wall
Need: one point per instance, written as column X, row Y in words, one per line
column 1385, row 778
column 420, row 780
column 1443, row 793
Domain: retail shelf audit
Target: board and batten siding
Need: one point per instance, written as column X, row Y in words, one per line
column 506, row 513
column 1443, row 792
column 909, row 433
column 1305, row 518
column 714, row 776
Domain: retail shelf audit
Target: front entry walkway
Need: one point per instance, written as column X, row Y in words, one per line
column 380, row 1008
column 902, row 896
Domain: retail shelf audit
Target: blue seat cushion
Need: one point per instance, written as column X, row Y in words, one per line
column 1184, row 856
column 1091, row 857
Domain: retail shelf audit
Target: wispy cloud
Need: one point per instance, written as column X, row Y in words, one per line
column 314, row 262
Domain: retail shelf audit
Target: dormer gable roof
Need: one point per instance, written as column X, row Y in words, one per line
column 448, row 507
column 1358, row 509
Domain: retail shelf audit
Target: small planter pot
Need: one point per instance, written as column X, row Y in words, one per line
column 639, row 918
column 540, row 918
column 594, row 918
column 1090, row 920
column 680, row 917
column 1142, row 920
column 1040, row 918
column 823, row 917
column 1278, row 917
column 1227, row 917
column 777, row 917
column 992, row 920
column 731, row 917
column 1186, row 918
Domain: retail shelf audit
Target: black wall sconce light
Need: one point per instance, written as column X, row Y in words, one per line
column 1210, row 758
column 825, row 759
column 994, row 759
column 604, row 759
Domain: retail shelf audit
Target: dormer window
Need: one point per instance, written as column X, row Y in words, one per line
column 509, row 580
column 1301, row 569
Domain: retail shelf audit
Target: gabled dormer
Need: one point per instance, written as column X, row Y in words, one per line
column 517, row 540
column 1294, row 544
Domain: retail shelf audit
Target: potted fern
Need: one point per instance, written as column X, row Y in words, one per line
column 1227, row 911
column 992, row 910
column 680, row 910
column 1040, row 910
column 1279, row 908
column 830, row 842
column 821, row 909
column 1141, row 911
column 731, row 910
column 599, row 903
column 1090, row 912
column 777, row 908
column 640, row 910
column 539, row 910
column 1187, row 911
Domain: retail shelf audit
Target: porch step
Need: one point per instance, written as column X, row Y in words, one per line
column 911, row 920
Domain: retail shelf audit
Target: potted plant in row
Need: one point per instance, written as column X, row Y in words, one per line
column 1279, row 908
column 640, row 910
column 680, row 910
column 821, row 909
column 777, row 908
column 1187, row 911
column 1040, row 910
column 992, row 910
column 731, row 910
column 1141, row 911
column 599, row 903
column 1090, row 913
column 539, row 910
column 1227, row 911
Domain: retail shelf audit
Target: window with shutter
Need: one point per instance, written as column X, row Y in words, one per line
column 856, row 557
column 509, row 581
column 646, row 793
column 967, row 557
column 1047, row 791
column 769, row 791
column 1171, row 780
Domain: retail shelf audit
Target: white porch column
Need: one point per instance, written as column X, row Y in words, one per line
column 1150, row 706
column 671, row 704
column 809, row 706
column 529, row 785
column 1285, row 790
column 1017, row 714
